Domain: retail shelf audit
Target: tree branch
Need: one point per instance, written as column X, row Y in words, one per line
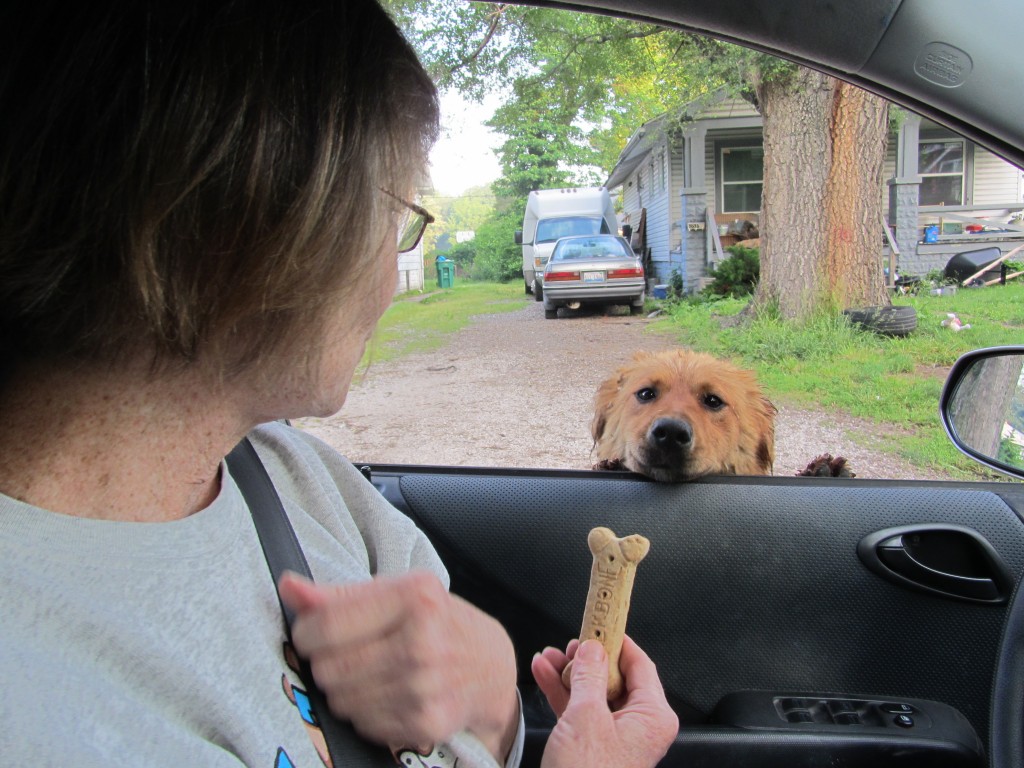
column 491, row 29
column 600, row 39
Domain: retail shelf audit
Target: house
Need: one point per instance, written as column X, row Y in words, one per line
column 694, row 185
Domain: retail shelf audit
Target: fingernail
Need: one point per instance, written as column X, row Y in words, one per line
column 591, row 650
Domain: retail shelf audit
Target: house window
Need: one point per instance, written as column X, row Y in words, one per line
column 661, row 163
column 941, row 167
column 742, row 178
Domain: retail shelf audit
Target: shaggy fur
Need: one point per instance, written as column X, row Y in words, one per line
column 678, row 415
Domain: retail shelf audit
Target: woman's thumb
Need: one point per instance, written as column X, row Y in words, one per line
column 590, row 672
column 299, row 593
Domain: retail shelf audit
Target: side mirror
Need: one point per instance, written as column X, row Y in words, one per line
column 982, row 407
column 519, row 237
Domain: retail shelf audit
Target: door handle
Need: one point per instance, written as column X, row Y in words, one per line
column 948, row 560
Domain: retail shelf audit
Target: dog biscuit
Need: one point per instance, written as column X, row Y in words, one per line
column 611, row 583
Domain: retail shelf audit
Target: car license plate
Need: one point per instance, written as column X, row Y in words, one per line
column 593, row 277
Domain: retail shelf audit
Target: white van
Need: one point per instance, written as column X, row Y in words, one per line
column 554, row 213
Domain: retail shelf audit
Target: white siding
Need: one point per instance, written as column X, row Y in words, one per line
column 658, row 224
column 889, row 164
column 710, row 182
column 888, row 171
column 732, row 107
column 631, row 198
column 995, row 180
column 651, row 186
column 675, row 204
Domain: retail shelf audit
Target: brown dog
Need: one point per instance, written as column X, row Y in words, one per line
column 678, row 415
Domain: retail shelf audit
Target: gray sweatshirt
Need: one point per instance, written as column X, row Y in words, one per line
column 162, row 644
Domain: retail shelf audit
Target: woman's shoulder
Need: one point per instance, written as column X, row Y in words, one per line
column 309, row 471
column 319, row 484
column 280, row 442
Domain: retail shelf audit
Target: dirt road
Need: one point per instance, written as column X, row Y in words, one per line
column 516, row 390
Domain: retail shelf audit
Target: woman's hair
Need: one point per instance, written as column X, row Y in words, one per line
column 199, row 177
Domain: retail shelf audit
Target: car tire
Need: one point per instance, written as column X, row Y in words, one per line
column 538, row 291
column 550, row 314
column 637, row 307
column 887, row 321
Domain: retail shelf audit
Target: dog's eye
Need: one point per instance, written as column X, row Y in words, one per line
column 646, row 394
column 714, row 402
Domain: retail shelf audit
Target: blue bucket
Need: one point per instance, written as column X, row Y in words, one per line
column 931, row 233
column 660, row 292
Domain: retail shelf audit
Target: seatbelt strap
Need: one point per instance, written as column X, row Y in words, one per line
column 283, row 553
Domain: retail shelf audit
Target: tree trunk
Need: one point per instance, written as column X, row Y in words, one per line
column 824, row 145
column 860, row 127
column 796, row 112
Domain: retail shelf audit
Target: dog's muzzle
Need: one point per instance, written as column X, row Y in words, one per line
column 670, row 440
column 666, row 452
column 669, row 443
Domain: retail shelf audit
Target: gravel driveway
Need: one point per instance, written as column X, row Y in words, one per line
column 516, row 390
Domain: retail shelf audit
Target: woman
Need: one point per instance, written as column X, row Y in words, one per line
column 201, row 203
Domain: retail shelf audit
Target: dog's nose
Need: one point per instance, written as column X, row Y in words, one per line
column 671, row 434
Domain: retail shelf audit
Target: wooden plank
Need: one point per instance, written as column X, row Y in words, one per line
column 716, row 241
column 894, row 251
column 1008, row 277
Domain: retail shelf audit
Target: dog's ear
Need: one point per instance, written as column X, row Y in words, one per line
column 766, row 446
column 603, row 402
column 597, row 427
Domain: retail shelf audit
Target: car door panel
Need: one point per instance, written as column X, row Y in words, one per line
column 750, row 584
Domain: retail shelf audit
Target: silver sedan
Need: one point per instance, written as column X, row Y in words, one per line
column 593, row 269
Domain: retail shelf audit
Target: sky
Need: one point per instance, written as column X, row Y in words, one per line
column 463, row 156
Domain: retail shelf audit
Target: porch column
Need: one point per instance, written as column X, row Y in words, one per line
column 904, row 193
column 694, row 205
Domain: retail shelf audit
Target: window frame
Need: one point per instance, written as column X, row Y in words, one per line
column 962, row 173
column 723, row 148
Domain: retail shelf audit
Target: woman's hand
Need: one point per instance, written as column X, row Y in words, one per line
column 407, row 663
column 639, row 731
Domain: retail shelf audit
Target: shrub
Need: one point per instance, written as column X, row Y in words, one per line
column 675, row 285
column 736, row 275
column 463, row 254
column 938, row 278
column 498, row 258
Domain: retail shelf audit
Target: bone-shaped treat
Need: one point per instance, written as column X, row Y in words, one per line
column 611, row 583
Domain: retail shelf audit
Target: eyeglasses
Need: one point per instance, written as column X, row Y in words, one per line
column 415, row 224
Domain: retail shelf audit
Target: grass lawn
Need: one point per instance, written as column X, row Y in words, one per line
column 828, row 364
column 436, row 315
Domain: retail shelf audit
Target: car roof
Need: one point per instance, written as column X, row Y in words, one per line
column 955, row 63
